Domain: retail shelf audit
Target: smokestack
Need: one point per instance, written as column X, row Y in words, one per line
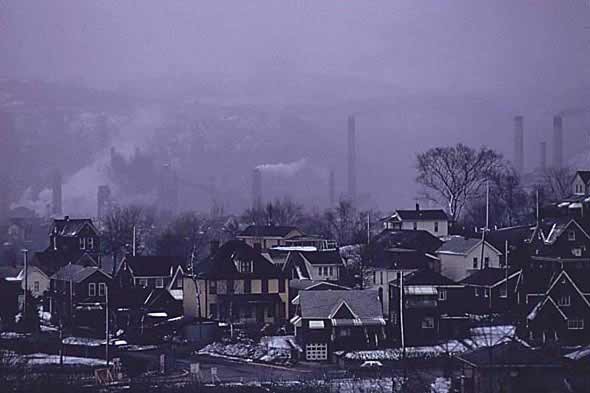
column 543, row 156
column 7, row 153
column 332, row 190
column 352, row 158
column 557, row 142
column 56, row 195
column 104, row 201
column 519, row 144
column 256, row 189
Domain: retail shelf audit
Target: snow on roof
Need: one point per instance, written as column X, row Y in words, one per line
column 295, row 248
column 177, row 294
column 45, row 359
column 157, row 315
column 420, row 290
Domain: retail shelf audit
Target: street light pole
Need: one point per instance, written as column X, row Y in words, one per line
column 26, row 278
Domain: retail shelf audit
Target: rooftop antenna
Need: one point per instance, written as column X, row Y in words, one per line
column 486, row 228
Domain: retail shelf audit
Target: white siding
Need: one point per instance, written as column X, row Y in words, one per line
column 429, row 226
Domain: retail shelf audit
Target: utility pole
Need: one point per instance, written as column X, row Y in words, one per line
column 26, row 278
column 134, row 240
column 401, row 320
column 107, row 333
column 486, row 228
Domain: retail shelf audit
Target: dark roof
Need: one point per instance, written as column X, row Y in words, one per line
column 320, row 304
column 76, row 273
column 303, row 285
column 516, row 236
column 328, row 257
column 459, row 245
column 511, row 353
column 401, row 259
column 70, row 226
column 9, row 271
column 536, row 280
column 415, row 240
column 585, row 175
column 153, row 266
column 422, row 214
column 50, row 261
column 426, row 277
column 488, row 276
column 267, row 231
column 221, row 264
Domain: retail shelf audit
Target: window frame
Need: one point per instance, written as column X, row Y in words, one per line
column 82, row 243
column 159, row 282
column 36, row 286
column 142, row 282
column 102, row 289
column 90, row 243
column 436, row 227
column 442, row 294
column 566, row 303
column 428, row 326
column 475, row 263
column 247, row 286
column 91, row 289
column 575, row 324
column 212, row 287
column 264, row 285
column 571, row 235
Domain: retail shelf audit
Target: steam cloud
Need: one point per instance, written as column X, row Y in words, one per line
column 283, row 169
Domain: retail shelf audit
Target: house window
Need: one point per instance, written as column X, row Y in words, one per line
column 393, row 317
column 575, row 324
column 381, row 278
column 476, row 292
column 142, row 282
column 503, row 291
column 245, row 267
column 577, row 252
column 282, row 285
column 265, row 286
column 415, row 226
column 213, row 288
column 90, row 243
column 475, row 262
column 331, row 271
column 564, row 301
column 428, row 323
column 213, row 309
column 374, row 277
column 344, row 332
column 436, row 226
column 486, row 292
column 82, row 243
column 571, row 235
column 159, row 283
column 442, row 295
column 36, row 286
column 102, row 289
column 230, row 286
column 486, row 262
column 270, row 311
column 248, row 286
column 92, row 289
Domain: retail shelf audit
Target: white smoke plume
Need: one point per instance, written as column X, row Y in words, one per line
column 283, row 169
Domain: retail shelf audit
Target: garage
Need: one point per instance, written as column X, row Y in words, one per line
column 316, row 352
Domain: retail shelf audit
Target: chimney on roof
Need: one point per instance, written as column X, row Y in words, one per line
column 519, row 144
column 56, row 195
column 66, row 218
column 557, row 142
column 417, row 207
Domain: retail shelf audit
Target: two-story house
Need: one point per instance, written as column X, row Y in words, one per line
column 335, row 320
column 237, row 283
column 435, row 221
column 78, row 297
column 314, row 265
column 460, row 257
column 150, row 271
column 432, row 307
column 265, row 237
column 491, row 290
column 581, row 183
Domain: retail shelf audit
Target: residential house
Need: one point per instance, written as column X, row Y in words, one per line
column 581, row 183
column 312, row 241
column 334, row 320
column 510, row 367
column 419, row 240
column 314, row 265
column 78, row 296
column 491, row 290
column 295, row 286
column 432, row 306
column 434, row 221
column 562, row 312
column 460, row 257
column 152, row 272
column 265, row 237
column 237, row 283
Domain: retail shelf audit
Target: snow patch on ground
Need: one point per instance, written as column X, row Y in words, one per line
column 39, row 359
column 249, row 351
column 450, row 348
column 488, row 336
column 440, row 385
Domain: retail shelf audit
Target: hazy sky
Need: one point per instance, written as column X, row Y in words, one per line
column 462, row 45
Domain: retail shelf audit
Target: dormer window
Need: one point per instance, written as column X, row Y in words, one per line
column 564, row 301
column 577, row 252
column 245, row 266
column 82, row 243
column 571, row 235
column 90, row 243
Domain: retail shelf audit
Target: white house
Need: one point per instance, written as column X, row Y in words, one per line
column 434, row 221
column 459, row 257
column 581, row 183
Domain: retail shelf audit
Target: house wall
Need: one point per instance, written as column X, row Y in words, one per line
column 380, row 279
column 457, row 266
column 427, row 225
column 335, row 276
column 578, row 186
column 36, row 276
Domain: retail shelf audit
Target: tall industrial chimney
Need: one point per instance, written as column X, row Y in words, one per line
column 7, row 151
column 332, row 190
column 543, row 156
column 557, row 142
column 56, row 195
column 256, row 189
column 104, row 201
column 519, row 144
column 352, row 159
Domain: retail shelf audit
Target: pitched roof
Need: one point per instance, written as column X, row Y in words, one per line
column 327, row 257
column 70, row 226
column 516, row 236
column 221, row 265
column 267, row 231
column 76, row 273
column 401, row 259
column 415, row 240
column 460, row 245
column 585, row 175
column 314, row 285
column 426, row 277
column 9, row 272
column 153, row 265
column 422, row 214
column 364, row 304
column 512, row 353
column 50, row 260
column 489, row 276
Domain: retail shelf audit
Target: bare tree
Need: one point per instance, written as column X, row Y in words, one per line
column 456, row 174
column 279, row 212
column 556, row 183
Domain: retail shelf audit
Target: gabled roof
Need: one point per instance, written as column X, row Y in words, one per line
column 584, row 175
column 516, row 236
column 426, row 277
column 152, row 265
column 364, row 304
column 511, row 353
column 420, row 215
column 316, row 285
column 76, row 273
column 222, row 265
column 50, row 261
column 328, row 257
column 414, row 240
column 267, row 231
column 69, row 227
column 9, row 272
column 489, row 277
column 401, row 259
column 462, row 246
